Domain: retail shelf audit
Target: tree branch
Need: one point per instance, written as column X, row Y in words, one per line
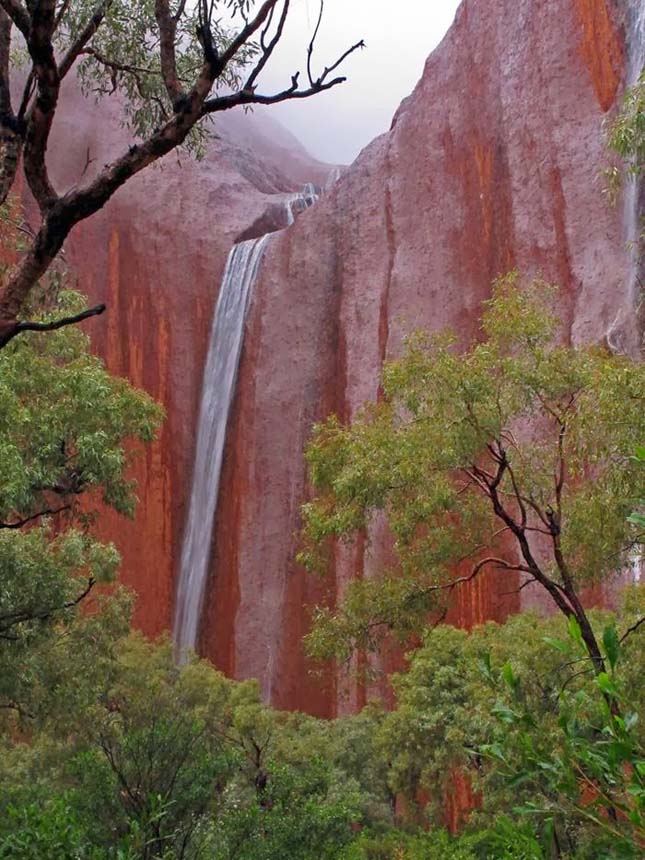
column 41, row 114
column 247, row 32
column 632, row 629
column 10, row 619
column 267, row 49
column 167, row 24
column 18, row 524
column 10, row 136
column 7, row 335
column 18, row 14
column 75, row 50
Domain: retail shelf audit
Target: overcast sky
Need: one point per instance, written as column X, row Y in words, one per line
column 399, row 35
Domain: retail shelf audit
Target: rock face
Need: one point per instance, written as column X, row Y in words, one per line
column 155, row 255
column 491, row 164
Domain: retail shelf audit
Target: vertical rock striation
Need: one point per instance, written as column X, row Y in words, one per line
column 491, row 164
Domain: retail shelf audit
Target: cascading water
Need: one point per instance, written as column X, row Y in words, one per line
column 633, row 198
column 634, row 191
column 623, row 335
column 300, row 201
column 218, row 389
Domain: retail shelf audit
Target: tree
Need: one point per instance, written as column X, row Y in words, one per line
column 516, row 708
column 175, row 63
column 513, row 457
column 64, row 425
column 175, row 762
column 590, row 774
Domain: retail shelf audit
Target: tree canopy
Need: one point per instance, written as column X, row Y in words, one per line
column 515, row 456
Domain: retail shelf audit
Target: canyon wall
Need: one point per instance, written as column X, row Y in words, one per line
column 491, row 164
column 155, row 255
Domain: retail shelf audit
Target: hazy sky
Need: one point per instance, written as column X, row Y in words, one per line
column 399, row 35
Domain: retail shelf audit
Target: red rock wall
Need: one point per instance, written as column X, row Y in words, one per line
column 491, row 164
column 156, row 255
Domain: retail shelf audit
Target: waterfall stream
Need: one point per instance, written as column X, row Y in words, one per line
column 623, row 335
column 634, row 193
column 218, row 390
column 218, row 387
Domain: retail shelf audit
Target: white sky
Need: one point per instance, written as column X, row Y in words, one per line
column 399, row 35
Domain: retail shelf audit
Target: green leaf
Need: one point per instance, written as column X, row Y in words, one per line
column 612, row 644
column 575, row 632
column 605, row 684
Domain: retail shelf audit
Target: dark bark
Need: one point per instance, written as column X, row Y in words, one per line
column 189, row 106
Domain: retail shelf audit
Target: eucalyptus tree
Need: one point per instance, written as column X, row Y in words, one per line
column 175, row 62
column 514, row 457
column 65, row 431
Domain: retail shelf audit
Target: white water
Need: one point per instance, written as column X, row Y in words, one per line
column 218, row 390
column 333, row 176
column 633, row 213
column 297, row 203
column 623, row 334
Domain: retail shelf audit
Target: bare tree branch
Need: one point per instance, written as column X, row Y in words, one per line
column 312, row 43
column 632, row 629
column 18, row 524
column 247, row 32
column 9, row 334
column 268, row 48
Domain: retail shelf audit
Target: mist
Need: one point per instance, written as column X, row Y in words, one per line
column 336, row 125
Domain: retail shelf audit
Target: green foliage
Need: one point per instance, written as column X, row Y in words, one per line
column 519, row 435
column 637, row 517
column 506, row 840
column 48, row 829
column 64, row 425
column 626, row 137
column 169, row 760
column 64, row 421
column 517, row 709
column 589, row 774
column 124, row 56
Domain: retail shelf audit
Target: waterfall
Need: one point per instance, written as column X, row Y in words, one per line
column 297, row 203
column 218, row 390
column 634, row 191
column 333, row 176
column 624, row 335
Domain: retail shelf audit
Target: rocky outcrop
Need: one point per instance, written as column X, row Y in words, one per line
column 491, row 164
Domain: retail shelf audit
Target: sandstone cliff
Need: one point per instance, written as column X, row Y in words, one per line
column 491, row 164
column 155, row 255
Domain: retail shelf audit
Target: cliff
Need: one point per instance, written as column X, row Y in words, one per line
column 155, row 255
column 491, row 164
